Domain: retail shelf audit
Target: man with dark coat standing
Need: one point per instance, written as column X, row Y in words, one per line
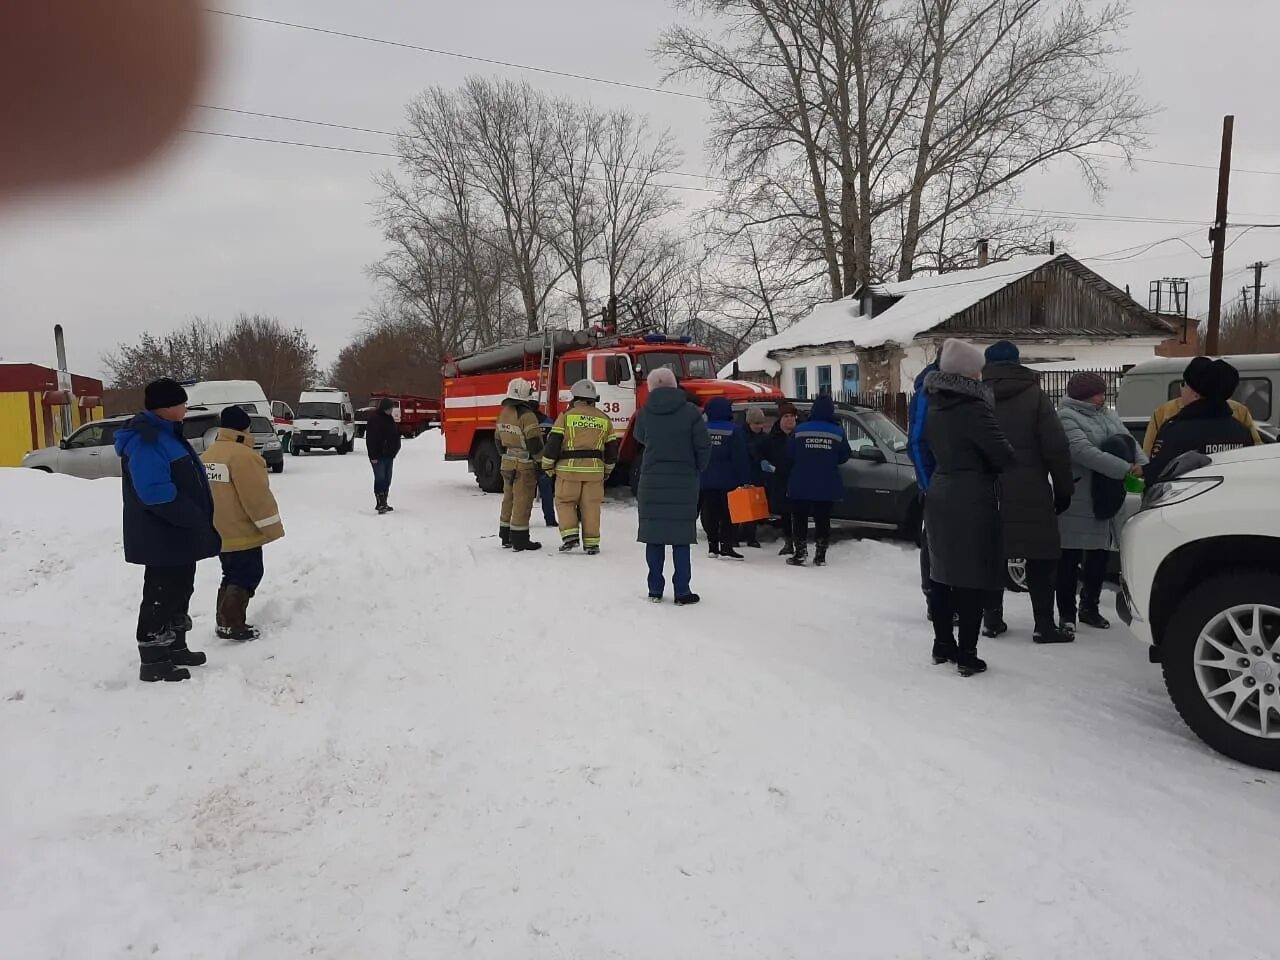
column 727, row 470
column 168, row 528
column 382, row 443
column 1206, row 423
column 778, row 469
column 1029, row 506
column 962, row 511
column 757, row 456
column 676, row 451
column 816, row 450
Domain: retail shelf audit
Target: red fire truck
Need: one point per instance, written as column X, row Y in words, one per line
column 474, row 387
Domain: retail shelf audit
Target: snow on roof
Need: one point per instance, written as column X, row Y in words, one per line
column 926, row 302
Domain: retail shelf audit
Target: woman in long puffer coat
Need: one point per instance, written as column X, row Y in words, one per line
column 962, row 511
column 1086, row 538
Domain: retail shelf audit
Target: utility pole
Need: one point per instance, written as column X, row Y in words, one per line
column 1218, row 239
column 1257, row 269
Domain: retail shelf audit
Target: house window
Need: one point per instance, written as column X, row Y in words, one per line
column 801, row 375
column 849, row 379
column 824, row 380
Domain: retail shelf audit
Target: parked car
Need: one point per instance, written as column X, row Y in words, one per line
column 216, row 395
column 90, row 452
column 880, row 491
column 1148, row 384
column 267, row 443
column 325, row 420
column 1201, row 583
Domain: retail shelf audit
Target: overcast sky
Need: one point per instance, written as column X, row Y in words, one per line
column 221, row 226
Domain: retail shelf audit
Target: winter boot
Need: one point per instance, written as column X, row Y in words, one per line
column 220, row 619
column 968, row 663
column 729, row 553
column 788, row 548
column 800, row 556
column 713, row 549
column 1049, row 633
column 569, row 543
column 591, row 549
column 156, row 664
column 687, row 600
column 504, row 534
column 521, row 542
column 381, row 499
column 993, row 624
column 820, row 554
column 753, row 543
column 1068, row 629
column 944, row 651
column 178, row 652
column 1092, row 617
column 234, row 609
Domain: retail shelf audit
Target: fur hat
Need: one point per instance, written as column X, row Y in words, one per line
column 1003, row 351
column 1086, row 386
column 755, row 415
column 164, row 393
column 660, row 378
column 787, row 409
column 962, row 358
column 1219, row 381
column 234, row 418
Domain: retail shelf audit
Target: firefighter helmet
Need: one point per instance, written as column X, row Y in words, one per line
column 585, row 390
column 519, row 389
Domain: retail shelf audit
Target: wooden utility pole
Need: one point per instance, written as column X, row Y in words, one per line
column 1257, row 269
column 1218, row 239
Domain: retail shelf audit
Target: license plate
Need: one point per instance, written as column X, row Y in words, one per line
column 315, row 436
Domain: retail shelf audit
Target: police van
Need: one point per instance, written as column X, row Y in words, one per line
column 1147, row 385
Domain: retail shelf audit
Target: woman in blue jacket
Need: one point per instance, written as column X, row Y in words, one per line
column 728, row 469
column 816, row 450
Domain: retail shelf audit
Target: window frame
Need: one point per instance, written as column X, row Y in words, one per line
column 817, row 370
column 800, row 382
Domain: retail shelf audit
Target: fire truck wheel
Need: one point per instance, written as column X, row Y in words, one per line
column 487, row 467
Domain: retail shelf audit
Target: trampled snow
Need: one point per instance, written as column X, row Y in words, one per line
column 439, row 749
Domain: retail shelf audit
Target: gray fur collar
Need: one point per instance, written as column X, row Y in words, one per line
column 939, row 382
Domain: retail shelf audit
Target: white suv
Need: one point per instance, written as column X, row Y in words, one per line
column 1201, row 579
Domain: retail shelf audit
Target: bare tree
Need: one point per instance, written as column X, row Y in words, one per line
column 576, row 130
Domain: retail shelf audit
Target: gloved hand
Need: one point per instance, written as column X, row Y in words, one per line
column 1061, row 502
column 767, row 467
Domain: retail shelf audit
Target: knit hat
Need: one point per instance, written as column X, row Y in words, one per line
column 233, row 418
column 662, row 377
column 787, row 409
column 164, row 393
column 755, row 415
column 1003, row 351
column 1086, row 386
column 962, row 358
column 386, row 405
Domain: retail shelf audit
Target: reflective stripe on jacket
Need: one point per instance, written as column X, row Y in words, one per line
column 581, row 443
column 518, row 435
column 244, row 509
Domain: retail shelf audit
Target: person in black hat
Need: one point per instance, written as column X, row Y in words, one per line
column 382, row 443
column 168, row 527
column 1206, row 423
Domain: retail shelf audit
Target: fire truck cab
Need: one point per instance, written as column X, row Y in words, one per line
column 475, row 385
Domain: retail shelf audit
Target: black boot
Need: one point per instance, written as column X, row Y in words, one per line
column 944, row 651
column 820, row 554
column 1091, row 616
column 713, row 549
column 688, row 600
column 381, row 499
column 178, row 652
column 156, row 664
column 788, row 548
column 504, row 534
column 1049, row 633
column 569, row 543
column 968, row 663
column 993, row 624
column 729, row 553
column 521, row 542
column 800, row 556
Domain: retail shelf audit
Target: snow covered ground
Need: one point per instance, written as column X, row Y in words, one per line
column 440, row 749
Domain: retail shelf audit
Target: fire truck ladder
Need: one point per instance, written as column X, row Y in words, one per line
column 545, row 368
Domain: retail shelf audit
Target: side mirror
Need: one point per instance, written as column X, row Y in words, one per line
column 613, row 369
column 62, row 444
column 347, row 418
column 872, row 454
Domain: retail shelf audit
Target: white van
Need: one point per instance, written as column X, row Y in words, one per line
column 1147, row 385
column 217, row 395
column 324, row 419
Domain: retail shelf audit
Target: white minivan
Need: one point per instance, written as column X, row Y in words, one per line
column 324, row 419
column 1148, row 384
column 217, row 395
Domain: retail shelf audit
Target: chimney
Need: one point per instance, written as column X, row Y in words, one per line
column 1053, row 247
column 983, row 253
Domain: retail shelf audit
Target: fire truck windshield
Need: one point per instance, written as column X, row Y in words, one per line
column 692, row 366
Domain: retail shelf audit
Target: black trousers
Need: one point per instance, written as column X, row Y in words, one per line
column 166, row 599
column 243, row 568
column 1041, row 581
column 962, row 604
column 801, row 511
column 715, row 517
column 1094, row 564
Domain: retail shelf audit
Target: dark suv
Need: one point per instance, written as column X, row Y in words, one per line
column 880, row 489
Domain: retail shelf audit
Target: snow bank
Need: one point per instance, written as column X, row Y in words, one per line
column 440, row 749
column 927, row 302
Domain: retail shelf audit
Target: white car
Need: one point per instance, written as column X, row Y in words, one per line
column 1201, row 582
column 324, row 420
column 90, row 452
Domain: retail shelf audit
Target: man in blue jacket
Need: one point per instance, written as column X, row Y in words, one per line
column 728, row 469
column 923, row 462
column 168, row 527
column 816, row 450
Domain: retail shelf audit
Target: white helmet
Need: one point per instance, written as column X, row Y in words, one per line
column 585, row 390
column 519, row 389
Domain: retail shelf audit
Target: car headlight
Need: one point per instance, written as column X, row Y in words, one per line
column 335, row 429
column 1168, row 492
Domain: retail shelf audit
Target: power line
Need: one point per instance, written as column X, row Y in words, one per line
column 1178, row 163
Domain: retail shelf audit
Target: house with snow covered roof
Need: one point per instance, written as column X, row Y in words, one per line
column 1056, row 309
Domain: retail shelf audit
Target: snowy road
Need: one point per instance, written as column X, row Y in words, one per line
column 433, row 752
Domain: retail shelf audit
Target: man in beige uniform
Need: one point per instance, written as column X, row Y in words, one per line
column 519, row 439
column 581, row 450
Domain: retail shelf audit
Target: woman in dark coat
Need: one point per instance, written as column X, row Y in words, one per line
column 962, row 511
column 677, row 449
column 1029, row 506
column 778, row 470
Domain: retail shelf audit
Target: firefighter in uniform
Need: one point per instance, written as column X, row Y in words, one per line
column 519, row 439
column 581, row 451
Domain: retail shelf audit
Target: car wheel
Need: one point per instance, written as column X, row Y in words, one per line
column 296, row 450
column 278, row 467
column 43, row 469
column 1221, row 661
column 488, row 468
column 344, row 447
column 1016, row 575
